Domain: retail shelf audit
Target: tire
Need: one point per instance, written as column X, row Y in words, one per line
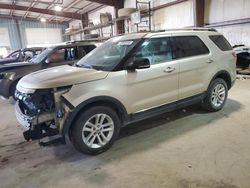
column 85, row 129
column 215, row 99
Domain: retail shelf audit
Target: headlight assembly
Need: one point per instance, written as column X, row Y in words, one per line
column 25, row 90
column 7, row 75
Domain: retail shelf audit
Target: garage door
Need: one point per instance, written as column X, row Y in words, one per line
column 41, row 36
column 4, row 37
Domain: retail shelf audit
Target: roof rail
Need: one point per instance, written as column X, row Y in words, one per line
column 188, row 29
column 89, row 40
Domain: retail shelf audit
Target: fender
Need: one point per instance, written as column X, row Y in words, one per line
column 99, row 99
column 227, row 79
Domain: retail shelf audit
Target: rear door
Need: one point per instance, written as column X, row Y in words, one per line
column 194, row 60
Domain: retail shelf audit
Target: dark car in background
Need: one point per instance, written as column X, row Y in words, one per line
column 243, row 56
column 65, row 54
column 20, row 55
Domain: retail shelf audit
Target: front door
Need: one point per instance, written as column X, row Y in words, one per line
column 157, row 85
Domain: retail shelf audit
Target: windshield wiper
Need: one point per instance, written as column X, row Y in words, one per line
column 87, row 66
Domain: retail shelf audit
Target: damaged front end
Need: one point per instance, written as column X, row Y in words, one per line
column 41, row 112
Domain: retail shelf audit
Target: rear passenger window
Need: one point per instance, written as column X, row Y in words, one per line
column 221, row 42
column 187, row 46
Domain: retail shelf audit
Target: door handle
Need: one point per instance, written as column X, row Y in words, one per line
column 169, row 69
column 209, row 61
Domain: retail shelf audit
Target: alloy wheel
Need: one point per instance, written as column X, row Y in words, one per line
column 98, row 131
column 218, row 95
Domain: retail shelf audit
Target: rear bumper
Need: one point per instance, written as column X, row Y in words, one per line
column 5, row 88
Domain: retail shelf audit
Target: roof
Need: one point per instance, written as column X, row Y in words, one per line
column 132, row 36
column 24, row 9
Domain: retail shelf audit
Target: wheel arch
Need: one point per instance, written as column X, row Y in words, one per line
column 99, row 100
column 223, row 74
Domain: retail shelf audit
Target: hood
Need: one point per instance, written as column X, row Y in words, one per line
column 8, row 66
column 60, row 76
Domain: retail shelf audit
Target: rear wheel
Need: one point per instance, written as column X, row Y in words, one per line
column 95, row 130
column 216, row 95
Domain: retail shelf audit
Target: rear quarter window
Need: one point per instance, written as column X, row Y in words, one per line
column 221, row 42
column 188, row 46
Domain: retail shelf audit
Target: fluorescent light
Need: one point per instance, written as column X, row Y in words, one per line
column 43, row 20
column 58, row 8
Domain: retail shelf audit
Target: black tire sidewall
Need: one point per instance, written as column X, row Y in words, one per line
column 213, row 84
column 76, row 132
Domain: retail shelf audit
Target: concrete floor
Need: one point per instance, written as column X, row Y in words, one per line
column 187, row 148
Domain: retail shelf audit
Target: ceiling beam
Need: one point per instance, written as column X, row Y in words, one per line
column 31, row 5
column 41, row 11
column 48, row 7
column 4, row 16
column 114, row 3
column 71, row 4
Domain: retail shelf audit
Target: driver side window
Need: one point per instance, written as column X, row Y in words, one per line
column 156, row 50
column 63, row 55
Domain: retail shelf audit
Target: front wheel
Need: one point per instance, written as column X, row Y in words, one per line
column 95, row 130
column 216, row 95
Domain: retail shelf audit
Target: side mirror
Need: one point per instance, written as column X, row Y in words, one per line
column 142, row 63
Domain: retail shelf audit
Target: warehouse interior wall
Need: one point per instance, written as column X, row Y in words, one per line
column 94, row 17
column 182, row 15
column 222, row 12
column 175, row 16
column 17, row 32
column 76, row 24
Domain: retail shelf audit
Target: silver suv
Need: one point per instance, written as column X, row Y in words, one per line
column 126, row 79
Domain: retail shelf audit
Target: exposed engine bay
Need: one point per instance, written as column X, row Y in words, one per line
column 39, row 112
column 36, row 103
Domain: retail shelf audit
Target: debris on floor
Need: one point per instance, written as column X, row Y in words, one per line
column 243, row 71
column 242, row 77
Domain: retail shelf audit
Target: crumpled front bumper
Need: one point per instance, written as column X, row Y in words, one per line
column 28, row 122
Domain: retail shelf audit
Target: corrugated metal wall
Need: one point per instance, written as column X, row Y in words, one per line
column 176, row 16
column 17, row 30
column 217, row 11
column 13, row 34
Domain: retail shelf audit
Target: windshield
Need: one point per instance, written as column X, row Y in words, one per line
column 108, row 55
column 44, row 54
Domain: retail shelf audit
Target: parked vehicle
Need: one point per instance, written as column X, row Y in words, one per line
column 65, row 54
column 21, row 55
column 243, row 56
column 127, row 79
